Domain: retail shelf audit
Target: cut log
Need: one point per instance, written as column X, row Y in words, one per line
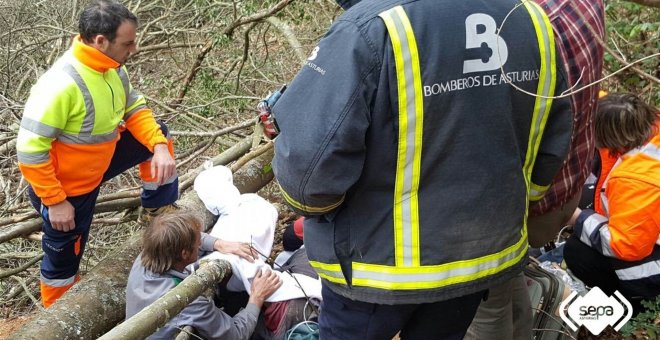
column 97, row 303
column 148, row 320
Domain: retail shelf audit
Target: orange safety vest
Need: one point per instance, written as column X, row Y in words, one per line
column 630, row 197
column 72, row 121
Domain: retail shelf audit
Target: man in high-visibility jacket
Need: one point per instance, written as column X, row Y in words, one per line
column 413, row 140
column 82, row 125
column 616, row 246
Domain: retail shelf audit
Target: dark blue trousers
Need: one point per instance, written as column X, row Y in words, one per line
column 344, row 319
column 63, row 250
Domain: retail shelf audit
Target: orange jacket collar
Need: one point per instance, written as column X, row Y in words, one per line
column 92, row 57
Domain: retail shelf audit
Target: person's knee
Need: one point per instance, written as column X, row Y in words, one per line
column 63, row 254
column 572, row 250
column 60, row 265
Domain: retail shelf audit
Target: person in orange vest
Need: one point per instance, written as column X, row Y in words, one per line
column 616, row 245
column 83, row 124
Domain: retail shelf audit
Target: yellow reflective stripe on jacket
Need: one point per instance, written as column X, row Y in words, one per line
column 330, row 272
column 411, row 122
column 307, row 208
column 546, row 86
column 536, row 192
column 425, row 277
column 123, row 76
column 35, row 141
column 407, row 273
column 437, row 276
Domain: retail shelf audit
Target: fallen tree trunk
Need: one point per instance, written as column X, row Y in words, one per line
column 148, row 320
column 97, row 303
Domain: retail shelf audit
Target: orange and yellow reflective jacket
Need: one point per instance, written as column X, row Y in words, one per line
column 607, row 162
column 72, row 121
column 629, row 227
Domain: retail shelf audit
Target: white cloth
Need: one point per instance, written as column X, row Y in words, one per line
column 251, row 219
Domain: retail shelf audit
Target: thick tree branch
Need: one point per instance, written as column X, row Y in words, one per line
column 649, row 3
column 23, row 267
column 148, row 320
column 256, row 17
column 290, row 37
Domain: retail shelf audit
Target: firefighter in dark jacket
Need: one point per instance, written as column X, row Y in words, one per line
column 408, row 141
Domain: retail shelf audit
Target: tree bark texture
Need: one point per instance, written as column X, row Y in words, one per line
column 97, row 303
column 148, row 320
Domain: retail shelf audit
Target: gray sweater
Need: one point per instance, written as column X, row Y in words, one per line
column 144, row 287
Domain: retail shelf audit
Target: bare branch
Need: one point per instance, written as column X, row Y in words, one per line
column 649, row 3
column 256, row 17
column 290, row 37
column 23, row 267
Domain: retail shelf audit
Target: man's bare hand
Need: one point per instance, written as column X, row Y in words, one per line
column 61, row 216
column 242, row 250
column 264, row 284
column 162, row 164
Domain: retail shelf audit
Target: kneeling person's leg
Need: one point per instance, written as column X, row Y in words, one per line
column 129, row 153
column 64, row 250
column 588, row 265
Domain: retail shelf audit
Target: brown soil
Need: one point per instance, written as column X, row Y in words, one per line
column 8, row 326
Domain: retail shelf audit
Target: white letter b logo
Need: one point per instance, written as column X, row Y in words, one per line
column 481, row 37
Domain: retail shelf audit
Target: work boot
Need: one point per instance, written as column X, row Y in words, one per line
column 148, row 214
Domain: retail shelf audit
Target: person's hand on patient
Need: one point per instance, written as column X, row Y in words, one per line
column 240, row 249
column 264, row 283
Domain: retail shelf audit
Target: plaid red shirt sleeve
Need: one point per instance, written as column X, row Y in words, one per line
column 574, row 23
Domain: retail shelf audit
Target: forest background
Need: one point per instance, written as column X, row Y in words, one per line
column 203, row 66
